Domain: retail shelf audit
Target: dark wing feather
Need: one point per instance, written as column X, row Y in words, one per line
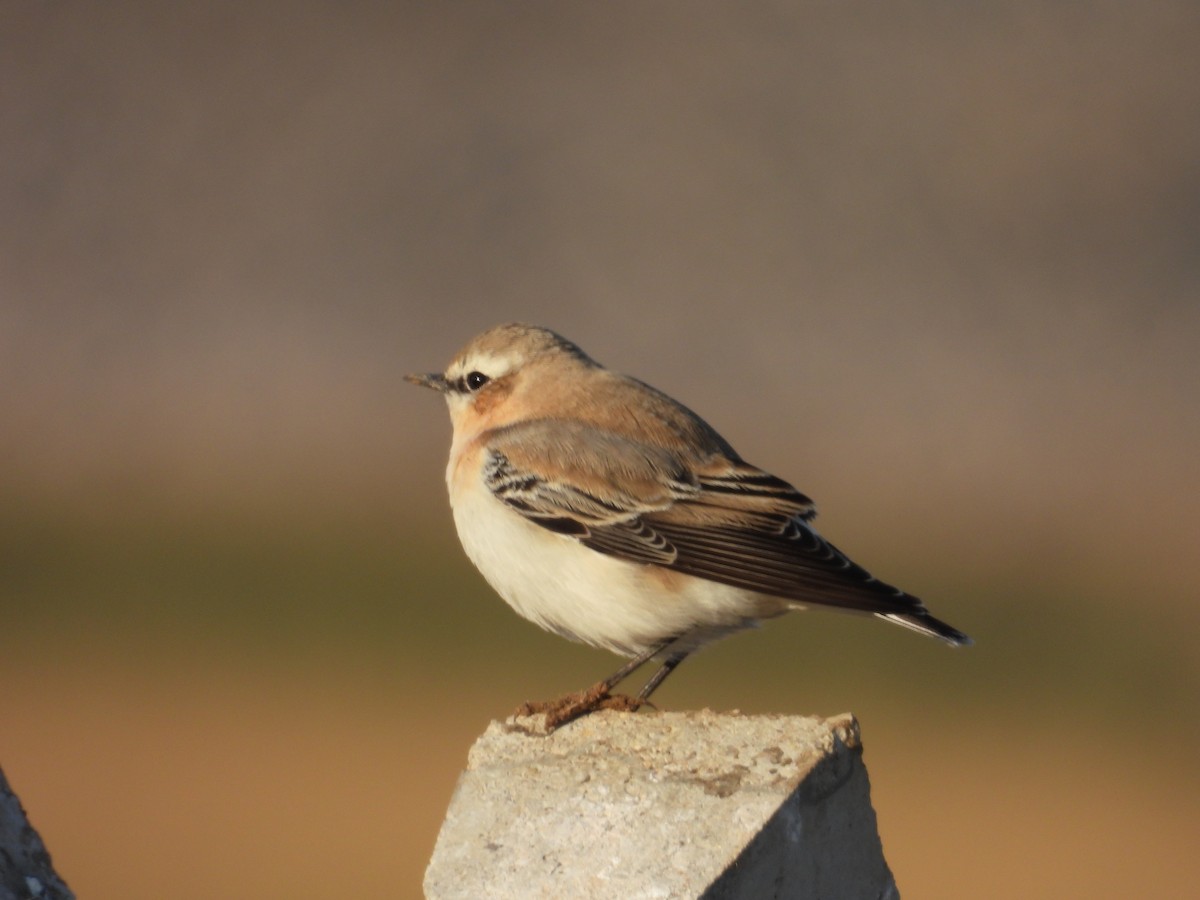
column 733, row 524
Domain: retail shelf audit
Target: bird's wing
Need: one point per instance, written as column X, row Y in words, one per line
column 584, row 482
column 720, row 519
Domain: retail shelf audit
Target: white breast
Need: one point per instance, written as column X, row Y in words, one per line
column 581, row 594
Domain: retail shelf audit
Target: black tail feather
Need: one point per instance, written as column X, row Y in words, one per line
column 924, row 623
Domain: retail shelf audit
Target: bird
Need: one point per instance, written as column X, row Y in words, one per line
column 604, row 511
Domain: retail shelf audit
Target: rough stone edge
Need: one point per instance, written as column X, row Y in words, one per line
column 751, row 873
column 26, row 872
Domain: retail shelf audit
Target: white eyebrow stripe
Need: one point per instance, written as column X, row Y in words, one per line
column 488, row 363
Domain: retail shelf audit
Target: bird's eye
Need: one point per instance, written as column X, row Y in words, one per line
column 476, row 380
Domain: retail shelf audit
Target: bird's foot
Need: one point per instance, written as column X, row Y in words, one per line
column 566, row 709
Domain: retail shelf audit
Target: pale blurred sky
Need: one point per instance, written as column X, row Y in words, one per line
column 935, row 263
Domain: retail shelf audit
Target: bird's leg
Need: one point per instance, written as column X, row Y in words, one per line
column 599, row 695
column 658, row 677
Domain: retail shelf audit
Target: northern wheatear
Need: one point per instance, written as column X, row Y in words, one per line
column 606, row 512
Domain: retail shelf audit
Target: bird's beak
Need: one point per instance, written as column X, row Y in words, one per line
column 434, row 380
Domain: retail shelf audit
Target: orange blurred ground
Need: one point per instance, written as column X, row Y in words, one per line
column 224, row 785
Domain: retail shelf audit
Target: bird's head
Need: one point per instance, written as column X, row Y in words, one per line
column 505, row 374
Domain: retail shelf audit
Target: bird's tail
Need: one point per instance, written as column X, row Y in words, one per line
column 924, row 623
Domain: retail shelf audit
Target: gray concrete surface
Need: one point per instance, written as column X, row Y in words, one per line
column 663, row 805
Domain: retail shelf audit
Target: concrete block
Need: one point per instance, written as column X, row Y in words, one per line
column 663, row 805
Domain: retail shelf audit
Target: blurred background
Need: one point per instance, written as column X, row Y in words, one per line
column 937, row 264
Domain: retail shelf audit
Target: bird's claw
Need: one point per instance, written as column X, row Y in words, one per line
column 572, row 706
